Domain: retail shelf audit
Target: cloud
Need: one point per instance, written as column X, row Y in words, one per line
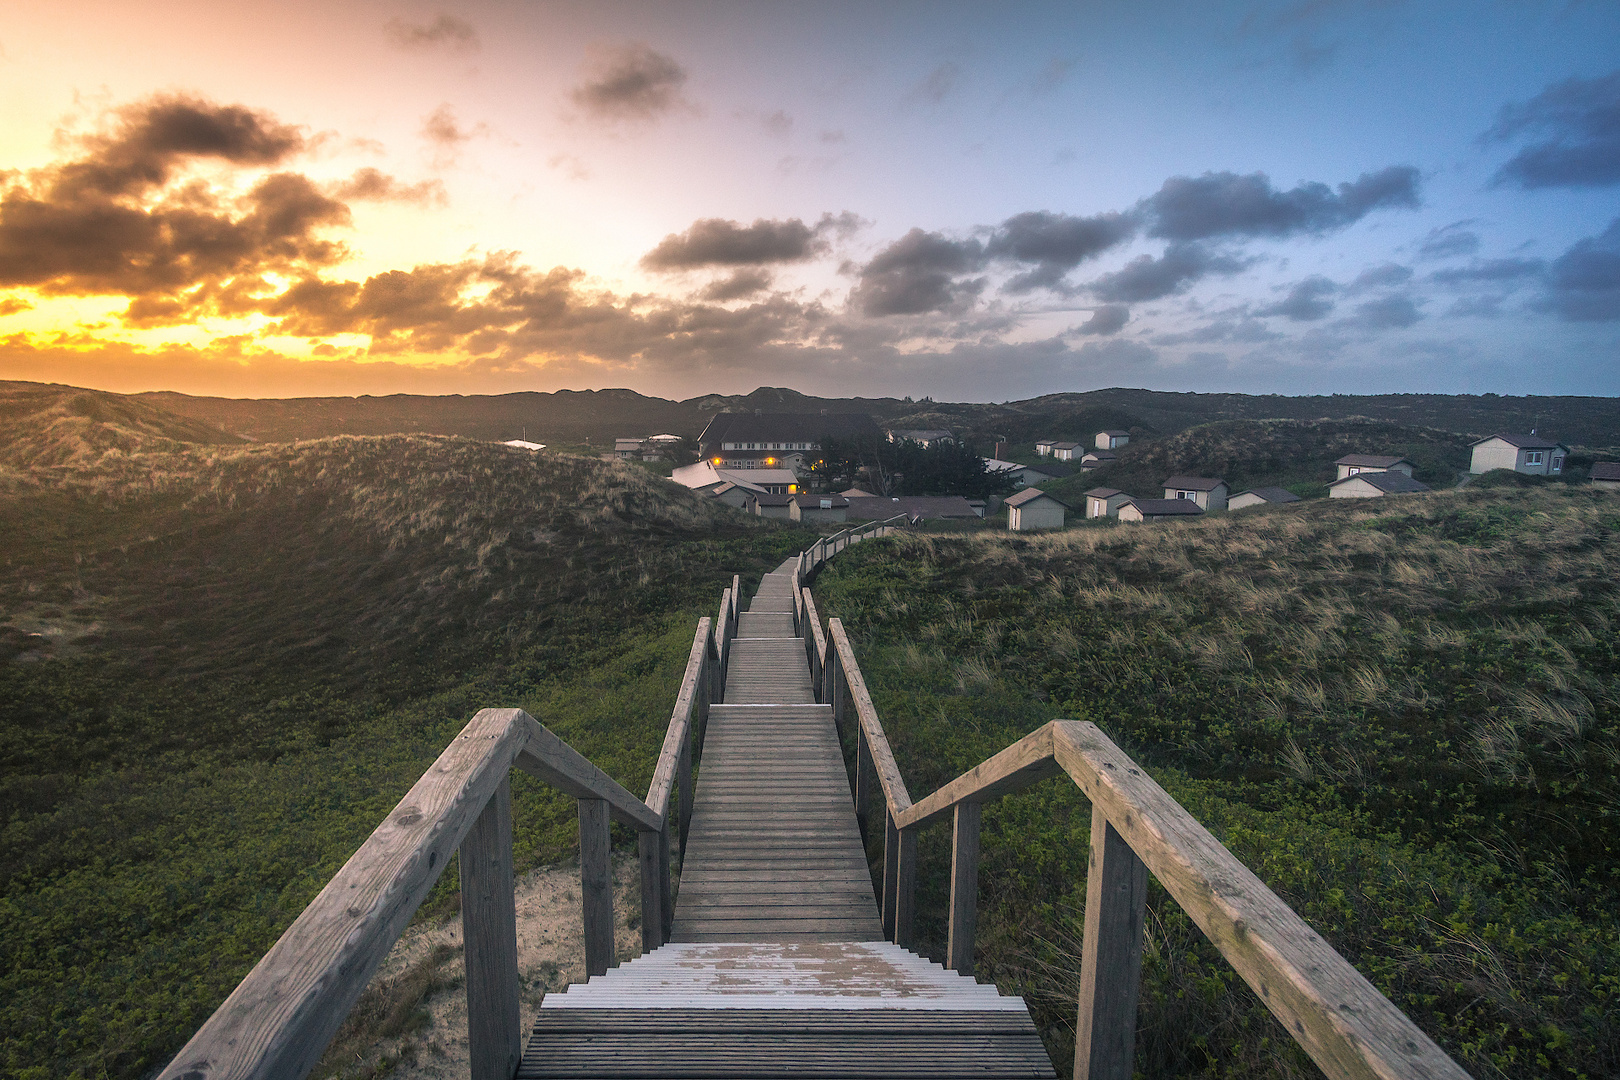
column 1494, row 271
column 1579, row 124
column 11, row 305
column 631, row 82
column 718, row 242
column 1584, row 282
column 446, row 31
column 1226, row 204
column 745, row 282
column 122, row 218
column 1449, row 242
column 1055, row 244
column 1385, row 276
column 1306, row 301
column 444, row 132
column 778, row 123
column 918, row 273
column 372, row 185
column 938, row 84
column 1387, row 313
column 1108, row 319
column 1148, row 278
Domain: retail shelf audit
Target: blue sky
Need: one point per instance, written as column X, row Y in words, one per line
column 970, row 201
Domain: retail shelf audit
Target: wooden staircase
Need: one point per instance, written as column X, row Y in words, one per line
column 776, row 966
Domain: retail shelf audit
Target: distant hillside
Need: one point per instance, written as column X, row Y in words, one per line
column 1297, row 454
column 46, row 424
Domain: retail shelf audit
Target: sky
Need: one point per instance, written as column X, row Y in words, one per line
column 966, row 201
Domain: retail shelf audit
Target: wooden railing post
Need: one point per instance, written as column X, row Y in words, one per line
column 489, row 937
column 1110, row 956
column 652, row 890
column 596, row 885
column 863, row 780
column 683, row 777
column 891, row 869
column 905, row 889
column 666, row 893
column 964, row 918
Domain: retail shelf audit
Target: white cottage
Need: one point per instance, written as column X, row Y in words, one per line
column 1374, row 485
column 1033, row 509
column 1530, row 454
column 1261, row 496
column 1105, row 502
column 1159, row 509
column 1606, row 474
column 1354, row 464
column 1207, row 492
column 1112, row 440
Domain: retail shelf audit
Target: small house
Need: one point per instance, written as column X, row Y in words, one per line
column 729, row 493
column 769, row 505
column 1105, row 502
column 1373, row 485
column 1529, row 454
column 1096, row 459
column 1020, row 475
column 1159, row 509
column 1044, row 447
column 1606, row 474
column 818, row 509
column 1033, row 509
column 1353, row 464
column 1263, row 496
column 917, row 507
column 524, row 444
column 1066, row 451
column 1206, row 492
column 628, row 448
column 1112, row 440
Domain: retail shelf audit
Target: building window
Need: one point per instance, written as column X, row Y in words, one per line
column 1558, row 463
column 1532, row 457
column 1353, row 470
column 1184, row 494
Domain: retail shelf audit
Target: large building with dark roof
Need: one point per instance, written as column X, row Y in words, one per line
column 761, row 440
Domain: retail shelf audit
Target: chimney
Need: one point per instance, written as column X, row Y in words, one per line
column 1002, row 451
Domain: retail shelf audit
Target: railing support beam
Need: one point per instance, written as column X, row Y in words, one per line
column 891, row 867
column 489, row 936
column 596, row 885
column 1110, row 956
column 964, row 919
column 652, row 890
column 905, row 890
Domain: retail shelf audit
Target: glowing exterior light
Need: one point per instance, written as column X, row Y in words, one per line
column 719, row 461
column 793, row 489
column 770, row 461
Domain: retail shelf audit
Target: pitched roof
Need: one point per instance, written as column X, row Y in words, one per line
column 1606, row 470
column 765, row 498
column 1390, row 483
column 1271, row 494
column 785, row 427
column 1104, row 493
column 1102, row 455
column 1167, row 507
column 1523, row 442
column 1046, row 442
column 1371, row 461
column 1029, row 495
column 1194, row 483
column 1116, row 434
column 928, row 506
column 813, row 502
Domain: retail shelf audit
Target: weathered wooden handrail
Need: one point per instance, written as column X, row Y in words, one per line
column 1340, row 1019
column 280, row 1018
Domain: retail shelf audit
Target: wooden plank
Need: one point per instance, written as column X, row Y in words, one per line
column 1027, row 761
column 905, row 889
column 548, row 758
column 278, row 1020
column 596, row 885
column 652, row 891
column 489, row 938
column 964, row 912
column 1348, row 1028
column 1111, row 956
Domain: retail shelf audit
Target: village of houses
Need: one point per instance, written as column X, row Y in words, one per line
column 759, row 463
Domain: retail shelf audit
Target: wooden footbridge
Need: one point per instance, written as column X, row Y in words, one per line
column 776, row 957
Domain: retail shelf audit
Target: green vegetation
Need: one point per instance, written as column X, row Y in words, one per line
column 1405, row 717
column 220, row 667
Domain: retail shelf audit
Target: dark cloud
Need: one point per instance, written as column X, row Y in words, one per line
column 1385, row 276
column 1578, row 124
column 1492, row 271
column 745, row 282
column 11, row 305
column 1148, row 278
column 633, row 82
column 1387, row 313
column 718, row 242
column 1108, row 319
column 1449, row 242
column 1307, row 301
column 372, row 185
column 1228, row 205
column 1476, row 307
column 1240, row 330
column 1055, row 244
column 446, row 31
column 1583, row 284
column 919, row 273
column 122, row 218
column 151, row 138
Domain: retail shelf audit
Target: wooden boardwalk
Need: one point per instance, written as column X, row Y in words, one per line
column 776, row 965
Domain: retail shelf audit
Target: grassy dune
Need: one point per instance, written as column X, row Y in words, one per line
column 220, row 666
column 1404, row 715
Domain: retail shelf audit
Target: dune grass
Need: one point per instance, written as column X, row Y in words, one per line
column 1404, row 715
